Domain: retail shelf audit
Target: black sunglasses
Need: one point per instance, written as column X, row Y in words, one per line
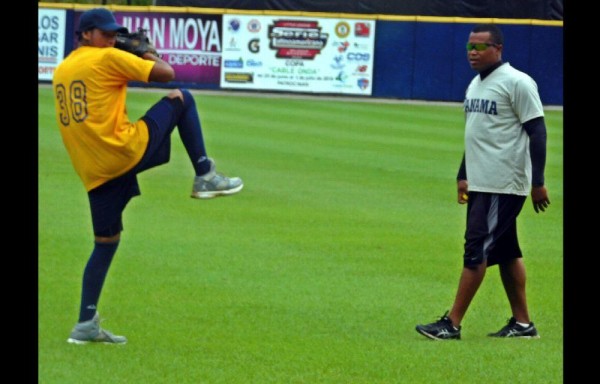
column 480, row 46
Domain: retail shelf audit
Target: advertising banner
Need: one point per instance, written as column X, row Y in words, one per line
column 298, row 54
column 51, row 40
column 190, row 42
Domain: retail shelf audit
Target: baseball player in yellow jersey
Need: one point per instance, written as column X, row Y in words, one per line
column 108, row 150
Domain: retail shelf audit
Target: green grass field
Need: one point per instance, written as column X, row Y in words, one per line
column 347, row 234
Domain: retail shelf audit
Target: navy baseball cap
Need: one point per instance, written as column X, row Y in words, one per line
column 100, row 18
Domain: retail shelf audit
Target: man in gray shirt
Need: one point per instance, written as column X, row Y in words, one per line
column 504, row 161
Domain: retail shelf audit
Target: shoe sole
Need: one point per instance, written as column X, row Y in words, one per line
column 211, row 194
column 430, row 336
column 515, row 337
column 83, row 342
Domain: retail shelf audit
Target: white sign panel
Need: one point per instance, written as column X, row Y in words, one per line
column 51, row 41
column 298, row 54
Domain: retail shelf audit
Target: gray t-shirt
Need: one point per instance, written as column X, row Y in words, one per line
column 497, row 156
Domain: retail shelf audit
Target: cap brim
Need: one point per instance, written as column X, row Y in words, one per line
column 113, row 27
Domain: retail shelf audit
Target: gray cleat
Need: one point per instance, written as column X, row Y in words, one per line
column 214, row 184
column 90, row 331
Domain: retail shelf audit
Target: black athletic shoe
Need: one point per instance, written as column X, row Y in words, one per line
column 512, row 329
column 440, row 330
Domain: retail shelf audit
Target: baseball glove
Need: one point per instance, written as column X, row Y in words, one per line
column 137, row 43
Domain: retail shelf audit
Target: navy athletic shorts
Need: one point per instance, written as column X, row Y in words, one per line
column 491, row 232
column 108, row 201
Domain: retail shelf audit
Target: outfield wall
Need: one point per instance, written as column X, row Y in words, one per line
column 404, row 57
column 514, row 9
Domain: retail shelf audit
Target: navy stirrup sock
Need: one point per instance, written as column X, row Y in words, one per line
column 190, row 131
column 93, row 278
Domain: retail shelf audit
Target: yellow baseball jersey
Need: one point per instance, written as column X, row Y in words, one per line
column 90, row 90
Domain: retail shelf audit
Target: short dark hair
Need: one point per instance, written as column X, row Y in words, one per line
column 495, row 32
